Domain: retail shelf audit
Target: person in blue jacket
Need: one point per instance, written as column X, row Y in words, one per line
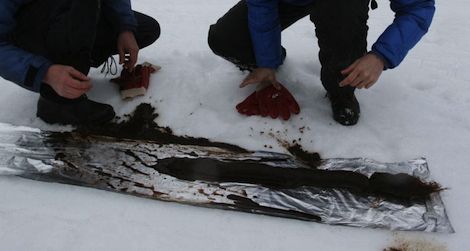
column 249, row 35
column 48, row 46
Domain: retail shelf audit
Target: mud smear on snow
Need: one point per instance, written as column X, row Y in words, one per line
column 141, row 125
column 402, row 244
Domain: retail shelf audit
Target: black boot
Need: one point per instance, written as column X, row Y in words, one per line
column 345, row 106
column 80, row 112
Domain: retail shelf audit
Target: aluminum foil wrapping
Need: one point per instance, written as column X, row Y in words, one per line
column 125, row 166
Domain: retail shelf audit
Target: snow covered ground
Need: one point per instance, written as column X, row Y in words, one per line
column 421, row 109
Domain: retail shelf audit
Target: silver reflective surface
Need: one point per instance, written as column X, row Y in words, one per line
column 125, row 166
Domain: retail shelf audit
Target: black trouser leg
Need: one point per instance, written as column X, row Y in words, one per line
column 341, row 28
column 230, row 37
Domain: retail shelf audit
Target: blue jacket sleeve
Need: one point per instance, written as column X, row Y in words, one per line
column 16, row 65
column 121, row 14
column 412, row 21
column 265, row 30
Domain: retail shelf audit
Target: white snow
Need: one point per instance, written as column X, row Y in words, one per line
column 421, row 109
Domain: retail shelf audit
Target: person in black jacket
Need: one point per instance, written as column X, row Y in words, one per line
column 48, row 46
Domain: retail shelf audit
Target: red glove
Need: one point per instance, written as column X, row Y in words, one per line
column 135, row 83
column 270, row 101
column 249, row 106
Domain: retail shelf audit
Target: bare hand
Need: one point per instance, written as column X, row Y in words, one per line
column 364, row 72
column 262, row 76
column 67, row 82
column 127, row 45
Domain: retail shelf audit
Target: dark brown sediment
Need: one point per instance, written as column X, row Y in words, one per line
column 401, row 186
column 311, row 159
column 141, row 125
column 251, row 172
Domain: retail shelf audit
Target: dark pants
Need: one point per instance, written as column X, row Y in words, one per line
column 76, row 33
column 341, row 29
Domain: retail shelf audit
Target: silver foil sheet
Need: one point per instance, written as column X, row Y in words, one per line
column 125, row 166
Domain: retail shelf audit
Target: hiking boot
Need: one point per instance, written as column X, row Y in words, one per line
column 81, row 111
column 345, row 108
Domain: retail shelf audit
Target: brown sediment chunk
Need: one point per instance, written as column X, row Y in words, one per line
column 311, row 159
column 141, row 125
column 402, row 185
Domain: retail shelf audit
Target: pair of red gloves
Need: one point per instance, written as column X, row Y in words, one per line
column 270, row 101
column 135, row 83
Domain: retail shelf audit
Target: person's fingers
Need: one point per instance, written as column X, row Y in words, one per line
column 362, row 84
column 350, row 68
column 277, row 85
column 350, row 78
column 370, row 84
column 79, row 85
column 365, row 83
column 359, row 79
column 134, row 53
column 249, row 81
column 122, row 55
column 72, row 93
column 78, row 75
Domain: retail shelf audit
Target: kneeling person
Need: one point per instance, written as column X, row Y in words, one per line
column 249, row 35
column 48, row 46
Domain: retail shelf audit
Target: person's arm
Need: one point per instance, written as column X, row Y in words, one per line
column 17, row 65
column 122, row 17
column 412, row 21
column 120, row 14
column 265, row 30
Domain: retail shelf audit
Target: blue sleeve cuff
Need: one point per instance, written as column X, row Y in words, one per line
column 384, row 60
column 270, row 65
column 40, row 75
column 386, row 55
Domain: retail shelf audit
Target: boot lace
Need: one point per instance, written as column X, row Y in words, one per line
column 110, row 67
